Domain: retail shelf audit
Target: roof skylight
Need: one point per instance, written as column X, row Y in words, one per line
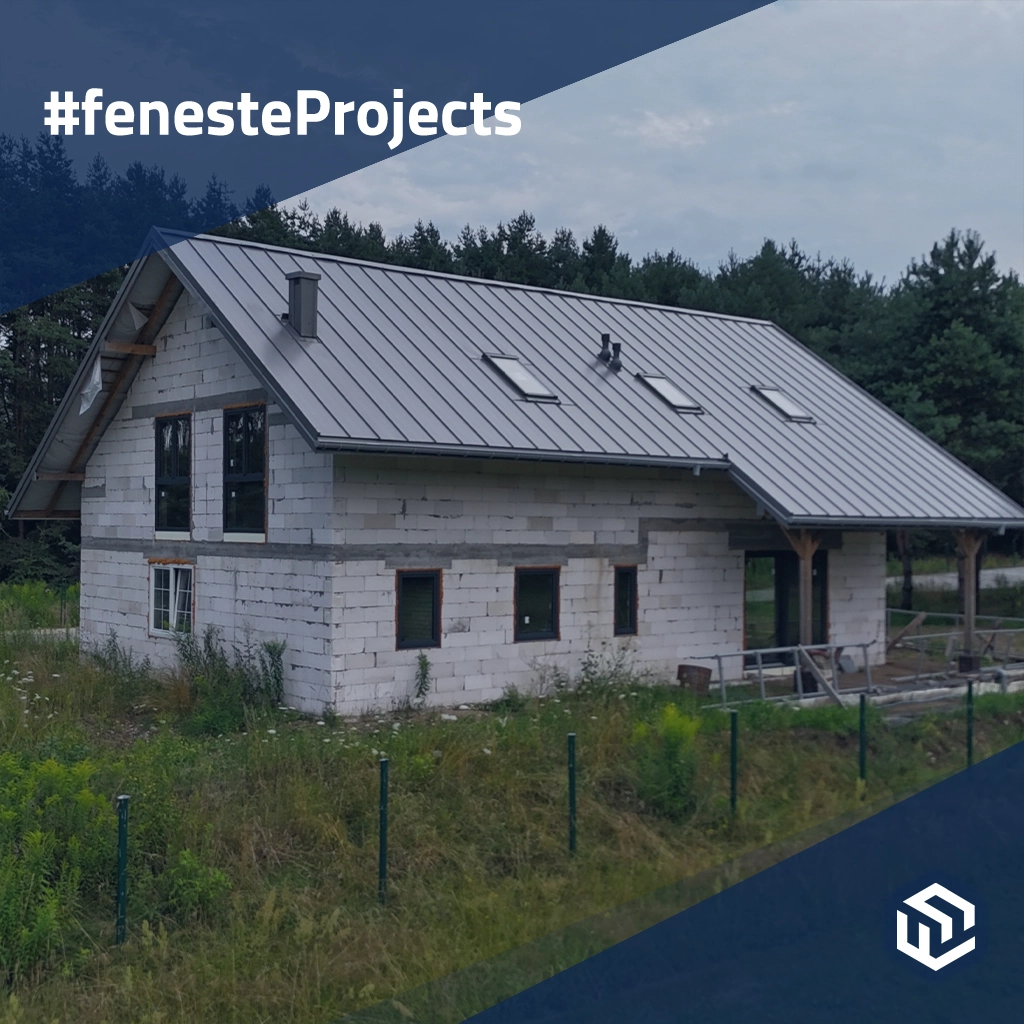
column 512, row 369
column 669, row 393
column 783, row 403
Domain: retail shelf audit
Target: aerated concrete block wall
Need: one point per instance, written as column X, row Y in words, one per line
column 856, row 594
column 478, row 520
column 281, row 589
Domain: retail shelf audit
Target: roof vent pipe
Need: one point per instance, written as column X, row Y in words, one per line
column 616, row 363
column 606, row 352
column 302, row 295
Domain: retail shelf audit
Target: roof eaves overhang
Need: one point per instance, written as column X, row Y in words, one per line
column 789, row 519
column 345, row 444
column 852, row 523
column 126, row 365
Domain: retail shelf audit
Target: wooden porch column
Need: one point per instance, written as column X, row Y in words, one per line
column 968, row 543
column 805, row 543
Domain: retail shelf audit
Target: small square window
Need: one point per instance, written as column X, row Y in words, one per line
column 418, row 611
column 536, row 604
column 171, row 594
column 625, row 600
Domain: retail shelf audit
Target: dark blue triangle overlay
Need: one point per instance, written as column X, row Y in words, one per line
column 814, row 938
column 207, row 50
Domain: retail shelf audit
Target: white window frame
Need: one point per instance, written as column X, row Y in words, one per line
column 177, row 592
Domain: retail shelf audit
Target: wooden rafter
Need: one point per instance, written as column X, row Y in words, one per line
column 161, row 310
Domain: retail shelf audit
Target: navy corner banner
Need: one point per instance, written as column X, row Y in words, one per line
column 915, row 914
column 221, row 83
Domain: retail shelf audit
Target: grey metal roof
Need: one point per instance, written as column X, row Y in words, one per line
column 398, row 366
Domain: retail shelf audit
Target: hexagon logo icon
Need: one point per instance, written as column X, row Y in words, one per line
column 922, row 952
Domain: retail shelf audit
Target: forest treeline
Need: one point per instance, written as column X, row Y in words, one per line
column 943, row 346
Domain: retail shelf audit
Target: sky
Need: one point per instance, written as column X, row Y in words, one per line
column 863, row 129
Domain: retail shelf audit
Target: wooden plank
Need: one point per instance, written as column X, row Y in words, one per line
column 44, row 475
column 968, row 544
column 818, row 675
column 913, row 624
column 805, row 543
column 130, row 348
column 42, row 513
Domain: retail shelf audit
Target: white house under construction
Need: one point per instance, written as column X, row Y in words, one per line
column 369, row 462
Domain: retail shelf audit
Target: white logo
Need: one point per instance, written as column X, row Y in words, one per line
column 922, row 951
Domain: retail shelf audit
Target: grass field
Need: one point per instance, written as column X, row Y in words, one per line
column 252, row 881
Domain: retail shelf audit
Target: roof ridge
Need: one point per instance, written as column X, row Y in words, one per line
column 488, row 281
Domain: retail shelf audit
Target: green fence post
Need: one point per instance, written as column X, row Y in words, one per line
column 121, row 925
column 572, row 792
column 382, row 863
column 863, row 737
column 734, row 717
column 970, row 722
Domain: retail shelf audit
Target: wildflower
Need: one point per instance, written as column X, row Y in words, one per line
column 272, row 732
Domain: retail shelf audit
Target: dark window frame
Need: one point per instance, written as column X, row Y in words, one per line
column 630, row 629
column 175, row 480
column 555, row 571
column 436, row 576
column 229, row 478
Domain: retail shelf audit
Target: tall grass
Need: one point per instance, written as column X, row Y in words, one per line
column 252, row 886
column 35, row 605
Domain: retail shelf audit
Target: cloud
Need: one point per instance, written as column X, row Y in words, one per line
column 861, row 130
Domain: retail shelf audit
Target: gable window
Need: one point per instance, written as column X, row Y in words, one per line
column 170, row 598
column 536, row 604
column 418, row 609
column 625, row 600
column 245, row 456
column 174, row 475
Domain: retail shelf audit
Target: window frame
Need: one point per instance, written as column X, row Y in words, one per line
column 529, row 386
column 663, row 386
column 633, row 628
column 174, row 567
column 437, row 576
column 227, row 478
column 538, row 570
column 782, row 403
column 165, row 532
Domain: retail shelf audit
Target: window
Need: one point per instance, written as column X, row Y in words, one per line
column 520, row 377
column 669, row 393
column 418, row 611
column 245, row 445
column 171, row 598
column 536, row 604
column 173, row 474
column 784, row 404
column 625, row 600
